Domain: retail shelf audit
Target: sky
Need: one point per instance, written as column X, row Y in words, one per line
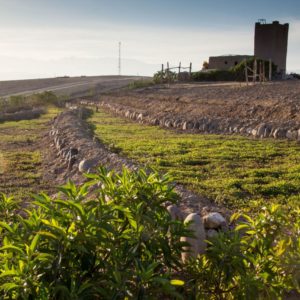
column 48, row 38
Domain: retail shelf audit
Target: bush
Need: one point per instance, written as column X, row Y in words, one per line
column 236, row 73
column 259, row 260
column 214, row 75
column 21, row 102
column 111, row 245
column 112, row 238
column 137, row 84
column 164, row 77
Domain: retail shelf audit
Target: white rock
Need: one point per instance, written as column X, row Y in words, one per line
column 85, row 165
column 214, row 220
column 174, row 212
column 197, row 243
column 292, row 134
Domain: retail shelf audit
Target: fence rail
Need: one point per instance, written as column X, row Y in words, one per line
column 168, row 75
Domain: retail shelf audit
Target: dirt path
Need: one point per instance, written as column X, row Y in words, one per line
column 63, row 86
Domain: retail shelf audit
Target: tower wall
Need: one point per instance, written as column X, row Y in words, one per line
column 271, row 42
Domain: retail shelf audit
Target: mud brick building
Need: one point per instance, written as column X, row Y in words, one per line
column 225, row 62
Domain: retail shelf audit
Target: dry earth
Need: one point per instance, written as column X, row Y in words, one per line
column 278, row 101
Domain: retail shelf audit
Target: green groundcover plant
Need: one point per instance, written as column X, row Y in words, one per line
column 112, row 238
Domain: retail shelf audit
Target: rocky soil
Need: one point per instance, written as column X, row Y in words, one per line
column 262, row 110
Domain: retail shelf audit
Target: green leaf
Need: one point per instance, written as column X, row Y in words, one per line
column 132, row 222
column 71, row 204
column 9, row 273
column 241, row 226
column 6, row 226
column 9, row 286
column 177, row 282
column 48, row 234
column 12, row 248
column 34, row 242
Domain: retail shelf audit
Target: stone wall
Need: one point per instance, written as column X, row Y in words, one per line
column 252, row 127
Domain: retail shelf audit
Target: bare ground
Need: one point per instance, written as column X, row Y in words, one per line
column 278, row 101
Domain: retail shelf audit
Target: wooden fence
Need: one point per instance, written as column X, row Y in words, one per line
column 179, row 73
column 258, row 73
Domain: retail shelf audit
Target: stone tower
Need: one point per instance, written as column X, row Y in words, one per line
column 271, row 42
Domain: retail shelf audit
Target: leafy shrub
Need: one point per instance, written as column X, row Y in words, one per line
column 112, row 238
column 164, row 77
column 137, row 84
column 110, row 244
column 236, row 73
column 214, row 75
column 21, row 102
column 259, row 260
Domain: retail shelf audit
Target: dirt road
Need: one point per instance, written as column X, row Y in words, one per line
column 71, row 86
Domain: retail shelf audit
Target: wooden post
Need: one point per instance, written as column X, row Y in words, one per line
column 167, row 71
column 260, row 72
column 270, row 70
column 190, row 71
column 179, row 68
column 264, row 72
column 254, row 70
column 246, row 71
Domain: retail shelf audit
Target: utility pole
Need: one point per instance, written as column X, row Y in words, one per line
column 119, row 58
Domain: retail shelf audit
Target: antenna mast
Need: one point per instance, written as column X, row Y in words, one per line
column 119, row 58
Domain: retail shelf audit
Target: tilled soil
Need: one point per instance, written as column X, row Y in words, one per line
column 276, row 101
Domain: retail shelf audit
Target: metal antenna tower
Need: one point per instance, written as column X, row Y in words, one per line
column 119, row 58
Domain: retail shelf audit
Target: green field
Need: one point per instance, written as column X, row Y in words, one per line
column 232, row 170
column 20, row 156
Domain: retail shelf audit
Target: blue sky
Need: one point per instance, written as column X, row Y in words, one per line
column 41, row 38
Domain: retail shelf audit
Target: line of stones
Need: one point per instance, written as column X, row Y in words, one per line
column 252, row 127
column 68, row 127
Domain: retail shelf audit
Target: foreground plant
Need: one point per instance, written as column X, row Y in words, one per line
column 260, row 259
column 112, row 238
column 108, row 244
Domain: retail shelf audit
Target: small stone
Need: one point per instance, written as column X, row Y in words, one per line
column 279, row 133
column 214, row 220
column 85, row 166
column 187, row 125
column 292, row 134
column 174, row 212
column 261, row 130
column 197, row 243
column 211, row 233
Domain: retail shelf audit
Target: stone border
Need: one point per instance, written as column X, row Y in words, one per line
column 79, row 151
column 252, row 127
column 77, row 148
